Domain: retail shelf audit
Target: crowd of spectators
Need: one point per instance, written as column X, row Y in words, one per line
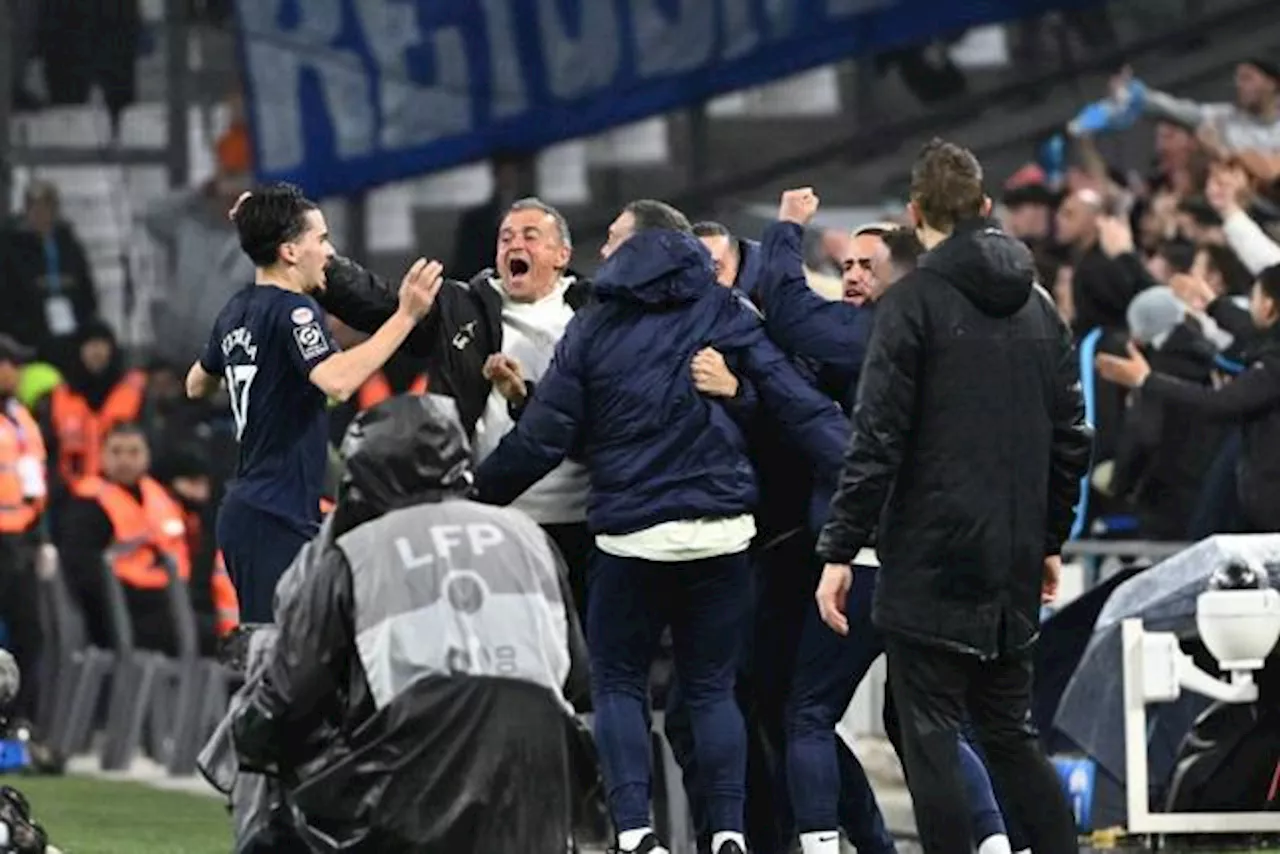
column 132, row 467
column 1169, row 276
column 1178, row 260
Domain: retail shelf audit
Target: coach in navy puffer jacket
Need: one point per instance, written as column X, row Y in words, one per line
column 619, row 393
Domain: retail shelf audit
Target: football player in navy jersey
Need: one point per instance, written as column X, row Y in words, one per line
column 273, row 349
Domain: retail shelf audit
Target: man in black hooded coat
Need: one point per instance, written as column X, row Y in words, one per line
column 969, row 443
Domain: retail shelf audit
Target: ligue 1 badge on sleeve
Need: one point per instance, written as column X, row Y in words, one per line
column 311, row 340
column 301, row 315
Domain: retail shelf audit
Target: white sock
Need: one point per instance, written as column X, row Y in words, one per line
column 629, row 840
column 996, row 843
column 724, row 837
column 820, row 842
column 1023, row 851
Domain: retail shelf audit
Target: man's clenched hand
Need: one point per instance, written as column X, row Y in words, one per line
column 798, row 206
column 507, row 377
column 712, row 376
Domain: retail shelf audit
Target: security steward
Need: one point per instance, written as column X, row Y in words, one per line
column 23, row 496
column 97, row 394
column 128, row 516
column 378, row 389
column 185, row 474
column 226, row 607
column 416, row 699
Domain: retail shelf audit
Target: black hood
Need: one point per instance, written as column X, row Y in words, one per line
column 95, row 387
column 408, row 450
column 994, row 271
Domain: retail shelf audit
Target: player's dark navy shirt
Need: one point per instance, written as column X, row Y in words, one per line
column 265, row 343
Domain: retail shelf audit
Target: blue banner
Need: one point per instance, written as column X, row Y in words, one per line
column 348, row 94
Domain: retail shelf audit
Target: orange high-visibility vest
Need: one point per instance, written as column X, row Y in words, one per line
column 377, row 389
column 144, row 531
column 20, row 440
column 225, row 603
column 80, row 430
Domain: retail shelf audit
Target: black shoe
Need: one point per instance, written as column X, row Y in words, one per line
column 731, row 848
column 648, row 845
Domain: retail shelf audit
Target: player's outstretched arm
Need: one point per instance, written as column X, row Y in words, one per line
column 201, row 383
column 364, row 301
column 340, row 375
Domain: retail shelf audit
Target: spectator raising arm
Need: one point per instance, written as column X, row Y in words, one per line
column 1253, row 392
column 1226, row 191
column 1126, row 276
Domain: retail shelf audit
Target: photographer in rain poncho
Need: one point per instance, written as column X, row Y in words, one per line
column 415, row 698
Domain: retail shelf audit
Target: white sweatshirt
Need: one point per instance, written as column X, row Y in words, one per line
column 530, row 332
column 1246, row 238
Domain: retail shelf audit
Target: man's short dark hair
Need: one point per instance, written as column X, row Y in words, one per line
column 904, row 248
column 1180, row 255
column 946, row 185
column 1236, row 277
column 1200, row 211
column 1269, row 281
column 708, row 228
column 533, row 203
column 274, row 215
column 652, row 215
column 126, row 429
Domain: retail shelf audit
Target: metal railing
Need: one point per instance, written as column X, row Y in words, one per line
column 1155, row 549
column 1094, row 553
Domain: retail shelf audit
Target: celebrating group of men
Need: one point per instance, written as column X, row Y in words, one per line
column 697, row 431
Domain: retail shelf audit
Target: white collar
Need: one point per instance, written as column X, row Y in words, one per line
column 561, row 286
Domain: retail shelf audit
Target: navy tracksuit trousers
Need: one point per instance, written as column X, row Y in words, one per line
column 257, row 548
column 767, row 674
column 706, row 603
